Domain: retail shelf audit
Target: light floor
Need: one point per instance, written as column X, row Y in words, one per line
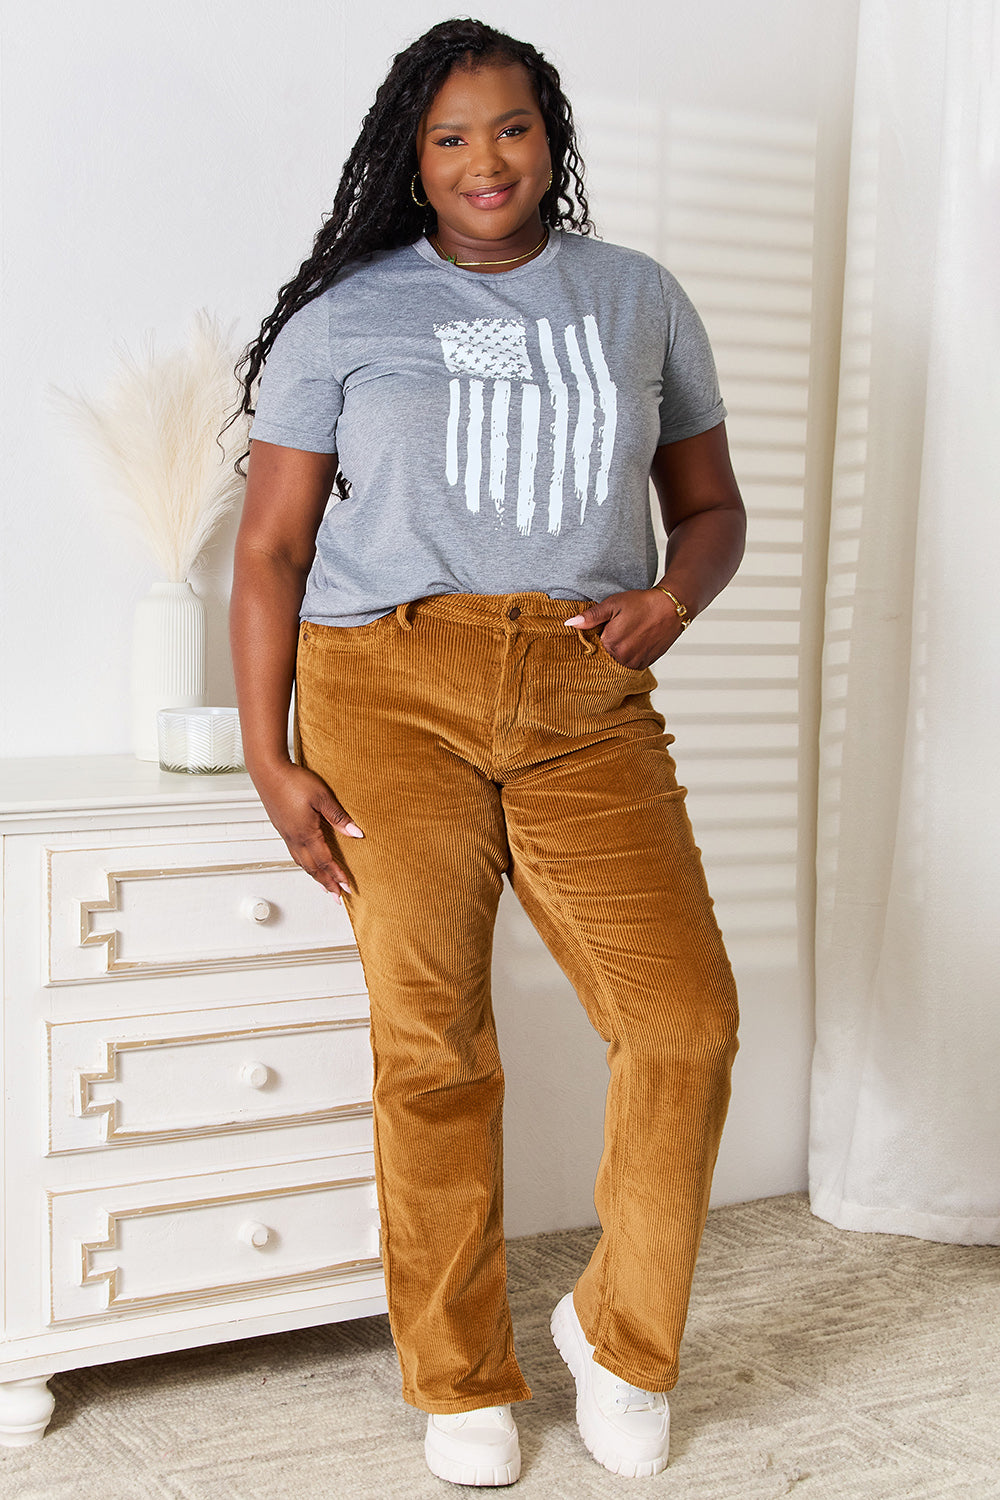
column 816, row 1363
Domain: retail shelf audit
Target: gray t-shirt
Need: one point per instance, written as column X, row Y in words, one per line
column 497, row 430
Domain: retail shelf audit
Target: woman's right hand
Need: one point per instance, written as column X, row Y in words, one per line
column 298, row 802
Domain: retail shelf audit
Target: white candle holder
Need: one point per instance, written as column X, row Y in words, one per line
column 200, row 741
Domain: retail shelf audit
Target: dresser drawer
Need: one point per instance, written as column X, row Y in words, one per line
column 181, row 907
column 128, row 1080
column 157, row 1245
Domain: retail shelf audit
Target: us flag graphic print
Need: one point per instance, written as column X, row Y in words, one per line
column 523, row 437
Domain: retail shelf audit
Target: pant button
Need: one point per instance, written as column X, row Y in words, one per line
column 513, row 614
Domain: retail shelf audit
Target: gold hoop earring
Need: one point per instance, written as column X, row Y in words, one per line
column 549, row 183
column 413, row 192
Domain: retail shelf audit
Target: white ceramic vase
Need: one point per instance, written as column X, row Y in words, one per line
column 168, row 659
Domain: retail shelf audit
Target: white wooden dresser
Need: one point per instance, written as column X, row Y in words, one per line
column 186, row 1126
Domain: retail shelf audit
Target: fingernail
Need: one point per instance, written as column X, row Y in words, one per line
column 344, row 887
column 576, row 620
column 353, row 830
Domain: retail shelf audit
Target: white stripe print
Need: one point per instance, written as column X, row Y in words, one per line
column 608, row 394
column 451, row 450
column 559, row 397
column 583, row 437
column 499, row 413
column 474, row 457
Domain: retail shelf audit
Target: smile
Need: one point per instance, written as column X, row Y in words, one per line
column 490, row 197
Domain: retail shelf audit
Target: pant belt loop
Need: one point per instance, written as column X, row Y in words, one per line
column 403, row 615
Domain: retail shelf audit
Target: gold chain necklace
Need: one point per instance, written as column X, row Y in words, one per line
column 464, row 263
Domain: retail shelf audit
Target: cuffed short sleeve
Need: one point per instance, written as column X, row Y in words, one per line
column 300, row 399
column 690, row 401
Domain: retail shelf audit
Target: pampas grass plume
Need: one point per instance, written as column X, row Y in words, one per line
column 155, row 434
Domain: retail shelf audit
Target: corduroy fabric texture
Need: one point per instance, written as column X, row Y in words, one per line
column 473, row 736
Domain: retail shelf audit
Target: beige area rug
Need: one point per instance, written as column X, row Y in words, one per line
column 816, row 1363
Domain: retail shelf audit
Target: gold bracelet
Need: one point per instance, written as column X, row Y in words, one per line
column 682, row 612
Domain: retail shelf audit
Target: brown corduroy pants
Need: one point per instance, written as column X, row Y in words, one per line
column 473, row 736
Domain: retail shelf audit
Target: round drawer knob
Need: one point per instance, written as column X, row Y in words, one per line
column 256, row 1235
column 254, row 1074
column 257, row 909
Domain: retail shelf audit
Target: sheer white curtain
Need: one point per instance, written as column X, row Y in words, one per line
column 906, row 1084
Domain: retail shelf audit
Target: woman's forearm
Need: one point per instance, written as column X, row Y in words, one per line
column 703, row 552
column 703, row 516
column 263, row 632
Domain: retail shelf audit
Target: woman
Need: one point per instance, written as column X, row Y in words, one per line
column 470, row 626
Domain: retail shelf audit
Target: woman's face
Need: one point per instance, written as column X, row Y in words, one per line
column 484, row 158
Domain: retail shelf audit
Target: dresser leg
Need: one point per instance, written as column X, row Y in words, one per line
column 25, row 1409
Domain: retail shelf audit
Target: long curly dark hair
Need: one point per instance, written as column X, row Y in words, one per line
column 374, row 208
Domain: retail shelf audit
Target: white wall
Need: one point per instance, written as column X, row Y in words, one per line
column 162, row 158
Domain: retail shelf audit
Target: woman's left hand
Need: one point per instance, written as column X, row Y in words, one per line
column 639, row 625
column 705, row 523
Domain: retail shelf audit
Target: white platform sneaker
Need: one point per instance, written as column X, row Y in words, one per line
column 474, row 1447
column 625, row 1428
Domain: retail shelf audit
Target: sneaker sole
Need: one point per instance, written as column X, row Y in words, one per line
column 494, row 1475
column 575, row 1356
